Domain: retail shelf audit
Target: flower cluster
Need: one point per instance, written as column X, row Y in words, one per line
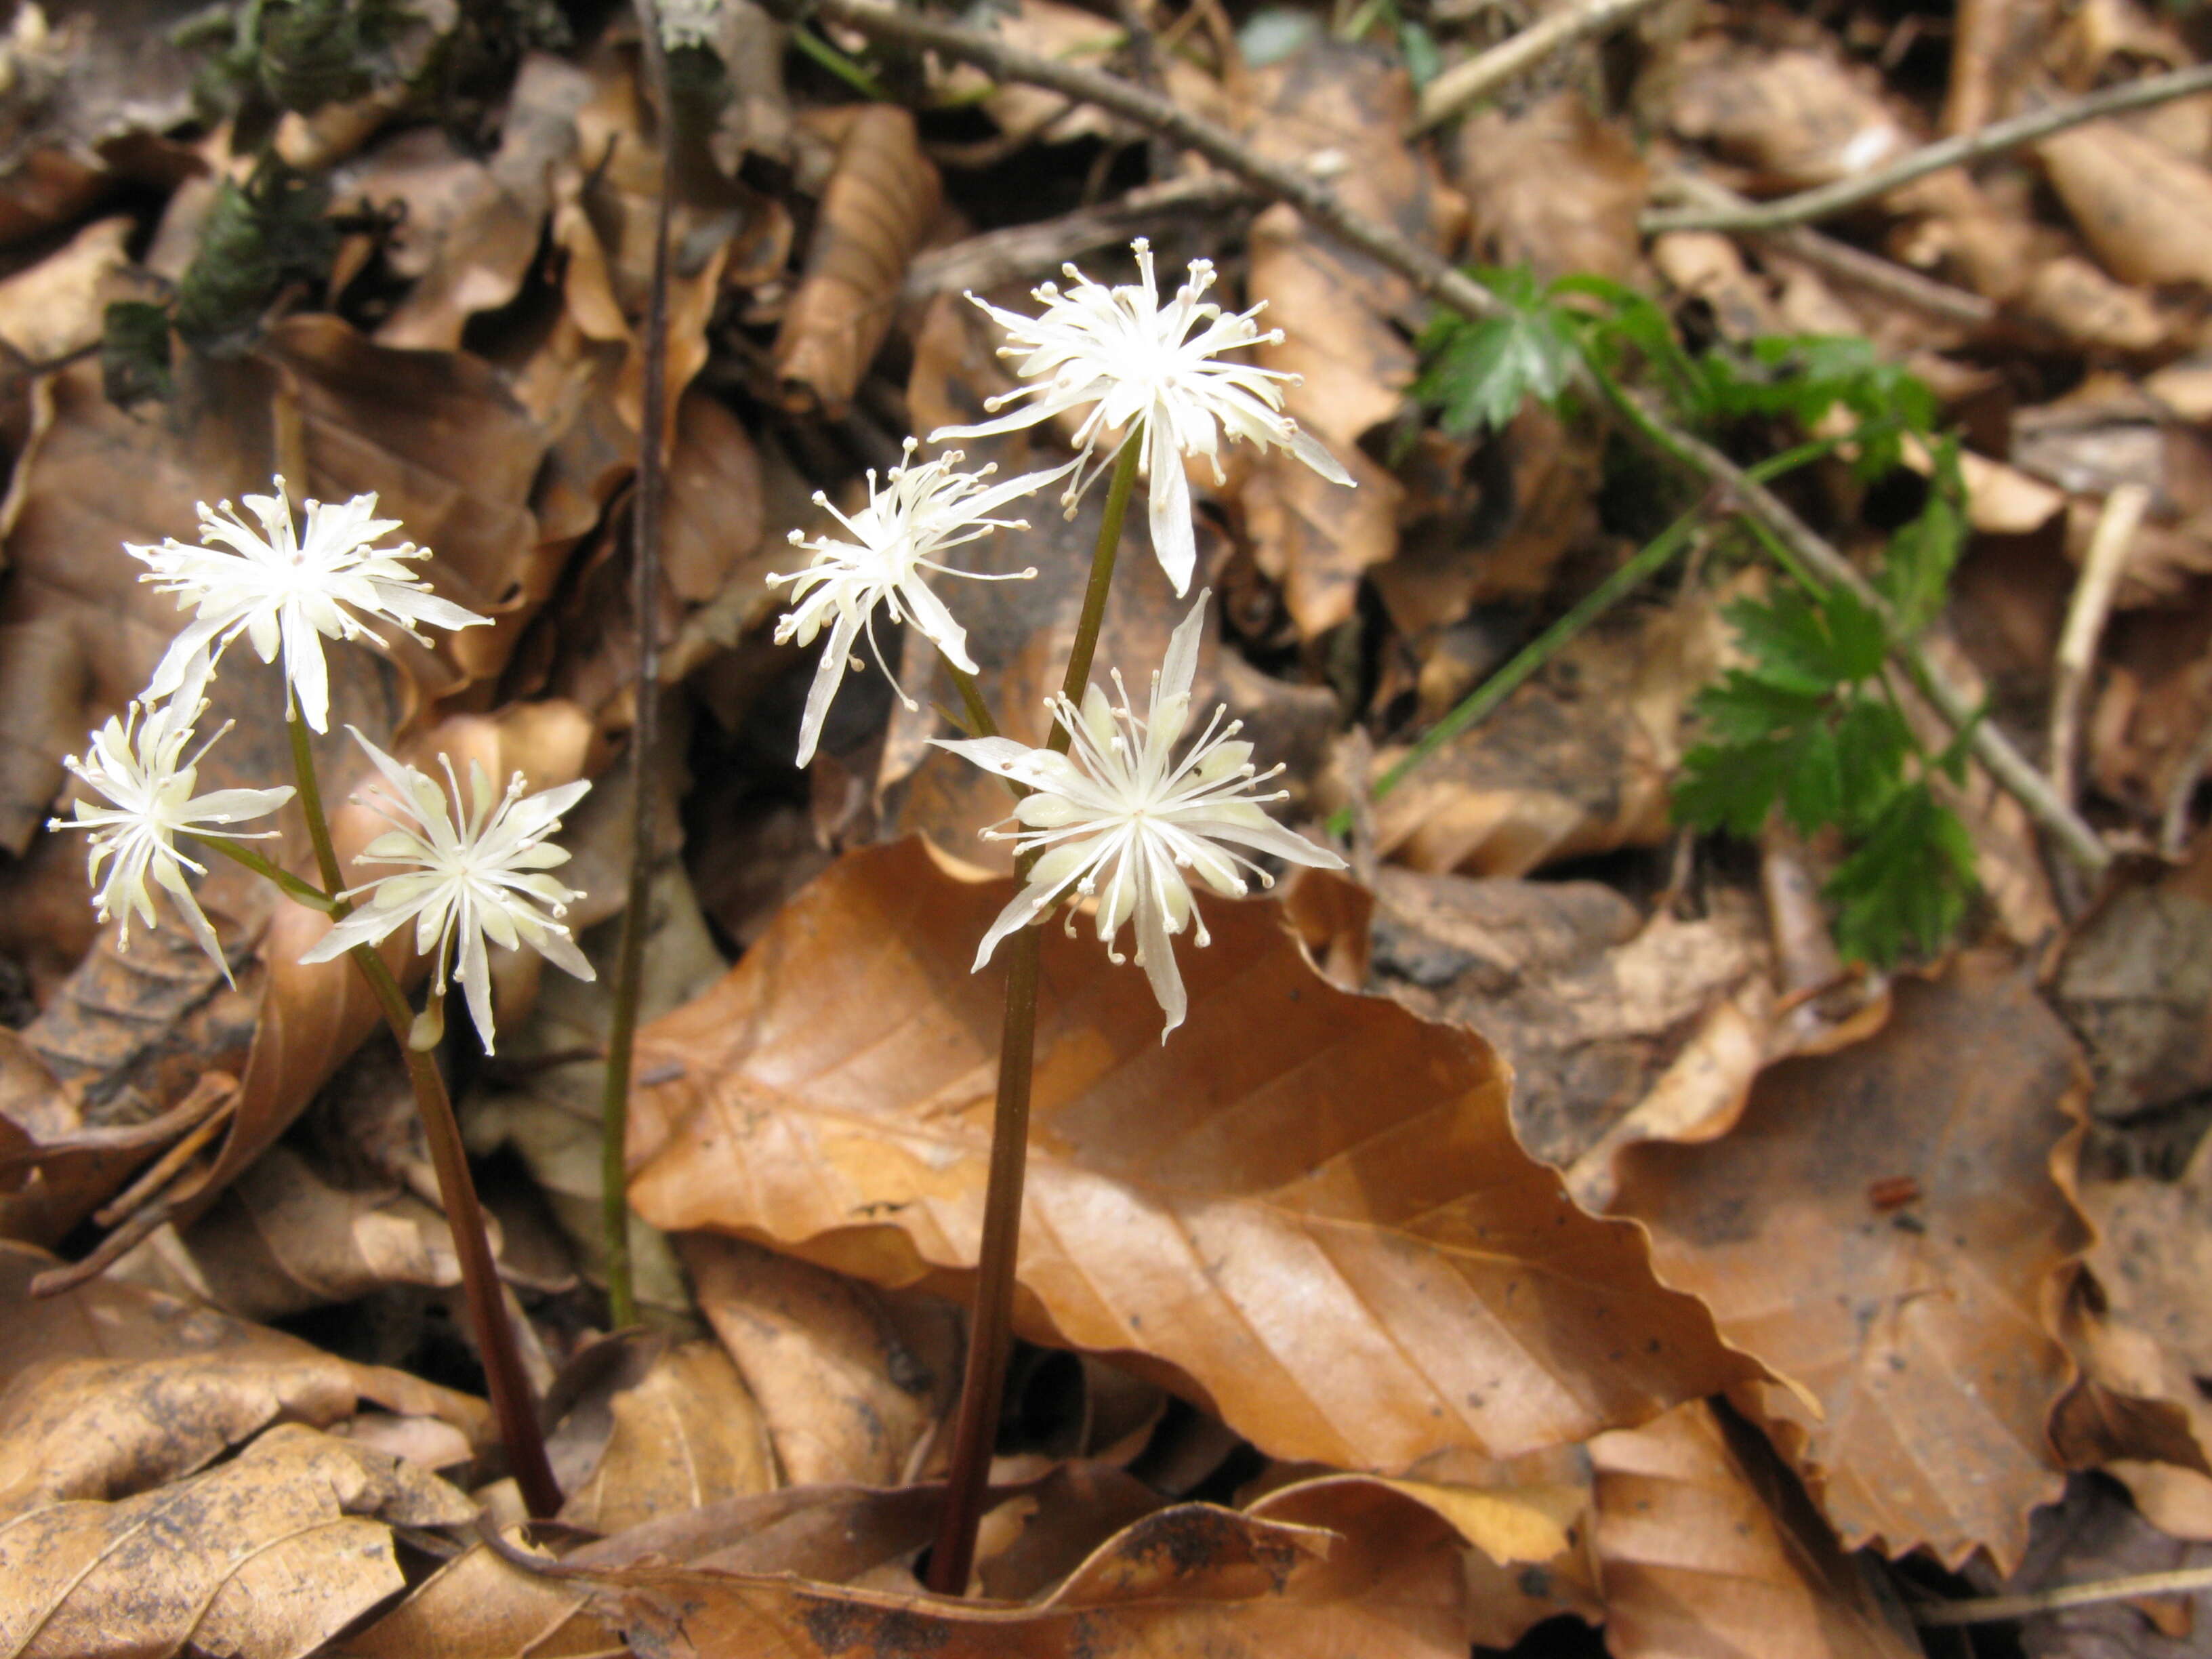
column 287, row 590
column 1119, row 820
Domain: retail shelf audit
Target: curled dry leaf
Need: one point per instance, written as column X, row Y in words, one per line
column 1881, row 1227
column 473, row 257
column 1331, row 1237
column 882, row 197
column 265, row 1558
column 1708, row 1548
column 1574, row 762
column 1592, row 1007
column 852, row 1383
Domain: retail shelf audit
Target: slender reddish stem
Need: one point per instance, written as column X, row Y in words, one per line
column 991, row 1329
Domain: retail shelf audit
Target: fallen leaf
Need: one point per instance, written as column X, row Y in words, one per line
column 1794, row 118
column 1554, row 188
column 882, row 195
column 2146, row 212
column 2092, row 1537
column 849, row 1391
column 1918, row 1330
column 1574, row 762
column 1448, row 1294
column 1707, row 1548
column 1345, row 105
column 1590, row 1004
column 2135, row 984
column 684, row 1435
column 1187, row 1579
column 266, row 1556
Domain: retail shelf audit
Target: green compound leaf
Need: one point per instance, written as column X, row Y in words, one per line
column 1907, row 883
column 1480, row 373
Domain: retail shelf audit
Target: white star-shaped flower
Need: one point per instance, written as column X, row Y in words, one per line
column 137, row 765
column 915, row 516
column 463, row 885
column 1120, row 350
column 1120, row 819
column 280, row 588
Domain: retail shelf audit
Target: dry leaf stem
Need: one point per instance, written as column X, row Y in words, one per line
column 1993, row 1609
column 514, row 1408
column 2109, row 547
column 1436, row 278
column 1826, row 201
column 991, row 1326
column 644, row 601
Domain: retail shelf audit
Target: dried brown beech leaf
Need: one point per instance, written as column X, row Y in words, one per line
column 473, row 254
column 882, row 197
column 266, row 1556
column 1337, row 309
column 1553, row 188
column 1593, row 1007
column 1707, row 1548
column 1189, row 1579
column 2145, row 211
column 164, row 1384
column 686, row 1434
column 1575, row 762
column 1331, row 1237
column 1794, row 118
column 848, row 1390
column 1915, row 1321
column 2092, row 1537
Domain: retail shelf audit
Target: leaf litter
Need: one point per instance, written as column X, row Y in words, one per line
column 1711, row 1171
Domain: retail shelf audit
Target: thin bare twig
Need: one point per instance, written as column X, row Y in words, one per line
column 1464, row 83
column 1883, row 277
column 1828, row 200
column 1438, row 279
column 1991, row 1609
column 2086, row 613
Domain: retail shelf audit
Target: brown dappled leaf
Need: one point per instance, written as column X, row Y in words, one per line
column 1592, row 1006
column 881, row 198
column 2135, row 983
column 265, row 1558
column 851, row 1384
column 1554, row 188
column 161, row 1350
column 1917, row 1327
column 1708, row 1549
column 2146, row 212
column 1330, row 1236
column 1574, row 762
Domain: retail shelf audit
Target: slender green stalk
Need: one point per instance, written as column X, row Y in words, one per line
column 514, row 1409
column 980, row 723
column 991, row 1331
column 311, row 799
column 305, row 892
column 645, row 600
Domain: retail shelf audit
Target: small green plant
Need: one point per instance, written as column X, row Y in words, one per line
column 1810, row 724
